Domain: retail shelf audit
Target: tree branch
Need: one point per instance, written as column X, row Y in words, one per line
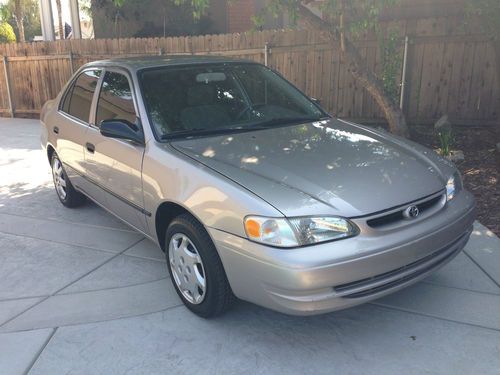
column 358, row 68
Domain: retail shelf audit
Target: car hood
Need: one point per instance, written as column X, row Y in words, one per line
column 352, row 169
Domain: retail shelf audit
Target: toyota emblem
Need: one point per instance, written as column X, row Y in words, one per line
column 411, row 212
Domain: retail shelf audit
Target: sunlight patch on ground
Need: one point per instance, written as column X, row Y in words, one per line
column 23, row 170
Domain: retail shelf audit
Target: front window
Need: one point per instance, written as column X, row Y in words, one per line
column 208, row 99
column 115, row 99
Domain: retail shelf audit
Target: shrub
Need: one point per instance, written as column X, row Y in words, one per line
column 6, row 33
column 444, row 134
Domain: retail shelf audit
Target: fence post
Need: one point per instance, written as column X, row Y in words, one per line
column 266, row 53
column 403, row 74
column 71, row 67
column 9, row 88
column 190, row 45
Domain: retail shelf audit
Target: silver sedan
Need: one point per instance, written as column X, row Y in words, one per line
column 250, row 188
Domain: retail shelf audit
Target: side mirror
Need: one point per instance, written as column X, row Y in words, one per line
column 316, row 101
column 122, row 129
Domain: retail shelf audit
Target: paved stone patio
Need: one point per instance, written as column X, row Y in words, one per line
column 81, row 293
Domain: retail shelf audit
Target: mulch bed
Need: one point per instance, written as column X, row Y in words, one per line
column 480, row 169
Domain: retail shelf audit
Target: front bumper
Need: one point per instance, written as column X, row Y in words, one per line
column 332, row 276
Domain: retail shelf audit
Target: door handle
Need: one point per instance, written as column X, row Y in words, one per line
column 90, row 147
column 55, row 129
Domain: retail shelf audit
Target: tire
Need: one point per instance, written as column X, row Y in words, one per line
column 65, row 191
column 217, row 297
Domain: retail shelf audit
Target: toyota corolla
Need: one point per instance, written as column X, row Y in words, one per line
column 250, row 188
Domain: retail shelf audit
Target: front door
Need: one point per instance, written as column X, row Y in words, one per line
column 114, row 165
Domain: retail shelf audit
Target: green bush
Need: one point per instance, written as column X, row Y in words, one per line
column 444, row 133
column 6, row 33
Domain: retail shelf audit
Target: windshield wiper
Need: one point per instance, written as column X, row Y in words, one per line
column 283, row 121
column 200, row 132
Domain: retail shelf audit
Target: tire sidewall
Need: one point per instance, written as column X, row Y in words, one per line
column 73, row 197
column 52, row 161
column 188, row 229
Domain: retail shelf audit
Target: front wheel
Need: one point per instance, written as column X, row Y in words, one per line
column 64, row 189
column 196, row 269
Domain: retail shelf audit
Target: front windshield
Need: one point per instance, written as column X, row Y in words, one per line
column 206, row 99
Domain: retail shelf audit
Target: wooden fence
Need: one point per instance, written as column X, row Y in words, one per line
column 454, row 75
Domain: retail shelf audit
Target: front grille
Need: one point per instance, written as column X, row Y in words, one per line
column 387, row 280
column 396, row 216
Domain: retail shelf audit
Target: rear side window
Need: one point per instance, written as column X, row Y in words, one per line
column 67, row 99
column 79, row 97
column 115, row 99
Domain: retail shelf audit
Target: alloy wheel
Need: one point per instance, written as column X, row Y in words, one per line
column 59, row 178
column 187, row 268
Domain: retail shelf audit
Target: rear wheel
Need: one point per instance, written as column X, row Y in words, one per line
column 64, row 189
column 196, row 269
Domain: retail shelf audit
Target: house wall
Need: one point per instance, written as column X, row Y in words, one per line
column 147, row 18
column 154, row 18
column 239, row 15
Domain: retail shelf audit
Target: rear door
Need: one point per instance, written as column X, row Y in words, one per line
column 73, row 122
column 115, row 165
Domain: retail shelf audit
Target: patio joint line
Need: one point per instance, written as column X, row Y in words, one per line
column 40, row 351
column 99, row 266
column 458, row 288
column 71, row 283
column 409, row 311
column 482, row 269
column 180, row 304
column 114, row 287
column 22, row 298
column 67, row 243
column 146, row 258
column 69, row 222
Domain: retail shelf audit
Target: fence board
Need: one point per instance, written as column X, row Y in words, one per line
column 447, row 73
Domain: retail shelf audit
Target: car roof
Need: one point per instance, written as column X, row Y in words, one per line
column 142, row 62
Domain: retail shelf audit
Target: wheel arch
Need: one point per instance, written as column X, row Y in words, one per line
column 50, row 151
column 166, row 212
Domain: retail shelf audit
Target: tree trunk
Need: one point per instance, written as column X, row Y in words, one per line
column 19, row 13
column 496, row 47
column 59, row 19
column 359, row 70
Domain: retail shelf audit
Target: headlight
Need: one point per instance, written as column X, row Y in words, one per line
column 453, row 186
column 298, row 231
column 450, row 188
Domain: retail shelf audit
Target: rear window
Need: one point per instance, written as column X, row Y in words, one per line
column 78, row 99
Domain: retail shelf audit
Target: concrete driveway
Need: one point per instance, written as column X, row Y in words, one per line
column 81, row 293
